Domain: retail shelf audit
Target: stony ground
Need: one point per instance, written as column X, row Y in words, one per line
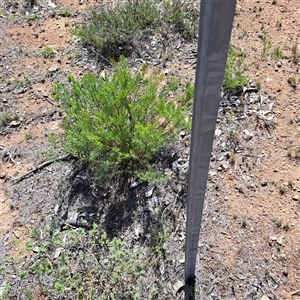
column 250, row 240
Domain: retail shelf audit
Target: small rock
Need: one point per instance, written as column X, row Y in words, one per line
column 2, row 288
column 174, row 165
column 296, row 197
column 150, row 192
column 134, row 184
column 218, row 132
column 36, row 249
column 14, row 123
column 57, row 252
column 53, row 68
column 177, row 285
column 272, row 238
column 51, row 4
column 182, row 134
column 280, row 240
column 264, row 298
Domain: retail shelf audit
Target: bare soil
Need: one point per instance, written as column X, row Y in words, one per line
column 250, row 239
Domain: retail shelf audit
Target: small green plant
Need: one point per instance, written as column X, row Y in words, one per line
column 286, row 227
column 6, row 117
column 117, row 123
column 244, row 223
column 31, row 17
column 65, row 12
column 234, row 79
column 233, row 135
column 12, row 17
column 278, row 223
column 277, row 54
column 21, row 83
column 2, row 11
column 28, row 136
column 266, row 46
column 48, row 52
column 282, row 189
column 232, row 159
column 295, row 53
column 292, row 81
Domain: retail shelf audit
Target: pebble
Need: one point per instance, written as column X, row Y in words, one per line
column 14, row 123
column 296, row 197
column 53, row 68
column 280, row 240
column 264, row 298
column 149, row 192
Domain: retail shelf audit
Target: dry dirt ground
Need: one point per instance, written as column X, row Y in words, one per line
column 250, row 243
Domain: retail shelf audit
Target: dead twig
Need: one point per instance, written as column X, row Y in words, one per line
column 41, row 166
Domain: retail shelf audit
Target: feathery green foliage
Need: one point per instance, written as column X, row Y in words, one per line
column 234, row 79
column 116, row 123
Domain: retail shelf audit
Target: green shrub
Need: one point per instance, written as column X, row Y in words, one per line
column 64, row 12
column 114, row 30
column 277, row 54
column 48, row 52
column 118, row 122
column 234, row 79
column 31, row 17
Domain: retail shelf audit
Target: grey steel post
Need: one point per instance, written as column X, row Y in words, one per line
column 216, row 18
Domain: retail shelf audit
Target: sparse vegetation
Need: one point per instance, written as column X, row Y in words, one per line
column 6, row 117
column 98, row 107
column 48, row 52
column 105, row 267
column 137, row 19
column 21, row 83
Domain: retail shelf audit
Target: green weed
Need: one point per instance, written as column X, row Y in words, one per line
column 234, row 79
column 31, row 17
column 292, row 81
column 266, row 46
column 277, row 54
column 28, row 136
column 21, row 83
column 65, row 12
column 6, row 117
column 48, row 52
